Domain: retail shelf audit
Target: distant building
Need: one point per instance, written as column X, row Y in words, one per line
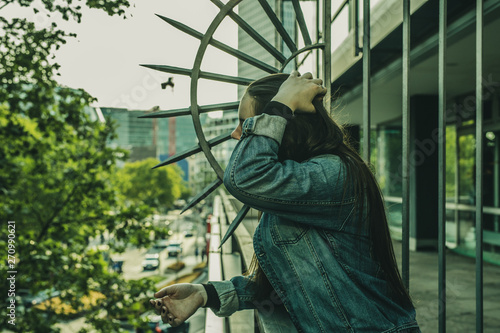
column 252, row 12
column 218, row 123
column 145, row 137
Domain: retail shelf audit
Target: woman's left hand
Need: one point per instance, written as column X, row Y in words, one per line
column 178, row 302
column 298, row 92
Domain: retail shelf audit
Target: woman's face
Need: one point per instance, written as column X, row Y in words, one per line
column 246, row 110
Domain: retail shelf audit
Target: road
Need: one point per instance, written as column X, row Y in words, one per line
column 133, row 257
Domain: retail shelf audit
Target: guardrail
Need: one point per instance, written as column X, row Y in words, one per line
column 225, row 263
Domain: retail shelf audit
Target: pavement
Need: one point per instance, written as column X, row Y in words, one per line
column 460, row 292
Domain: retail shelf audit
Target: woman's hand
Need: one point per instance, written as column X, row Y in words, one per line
column 298, row 92
column 178, row 302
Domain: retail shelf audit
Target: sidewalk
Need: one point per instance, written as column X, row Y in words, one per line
column 460, row 291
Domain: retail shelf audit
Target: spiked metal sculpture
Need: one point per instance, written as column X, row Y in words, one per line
column 226, row 10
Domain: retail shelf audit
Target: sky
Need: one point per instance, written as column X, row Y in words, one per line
column 104, row 58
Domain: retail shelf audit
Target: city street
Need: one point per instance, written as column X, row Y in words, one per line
column 133, row 257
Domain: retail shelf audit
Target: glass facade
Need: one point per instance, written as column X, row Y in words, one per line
column 460, row 180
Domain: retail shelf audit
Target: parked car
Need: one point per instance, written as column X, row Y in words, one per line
column 174, row 249
column 152, row 258
column 150, row 263
column 157, row 325
column 162, row 244
column 117, row 265
column 153, row 252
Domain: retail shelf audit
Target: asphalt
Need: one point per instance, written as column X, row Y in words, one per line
column 460, row 292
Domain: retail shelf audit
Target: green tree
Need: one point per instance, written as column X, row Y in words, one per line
column 56, row 179
column 157, row 188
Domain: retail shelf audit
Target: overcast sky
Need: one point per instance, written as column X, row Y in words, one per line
column 104, row 59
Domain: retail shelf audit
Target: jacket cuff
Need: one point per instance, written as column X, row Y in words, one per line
column 227, row 296
column 213, row 301
column 274, row 108
column 266, row 125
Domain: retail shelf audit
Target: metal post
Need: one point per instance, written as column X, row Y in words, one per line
column 327, row 52
column 366, row 81
column 479, row 166
column 355, row 19
column 442, row 166
column 406, row 145
column 318, row 36
column 457, row 185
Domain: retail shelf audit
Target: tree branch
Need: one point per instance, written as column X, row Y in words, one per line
column 6, row 3
column 57, row 210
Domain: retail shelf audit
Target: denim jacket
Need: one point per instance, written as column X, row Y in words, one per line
column 313, row 254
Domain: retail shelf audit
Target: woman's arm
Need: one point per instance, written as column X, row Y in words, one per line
column 256, row 177
column 178, row 302
column 314, row 188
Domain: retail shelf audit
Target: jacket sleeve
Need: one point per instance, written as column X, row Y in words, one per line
column 234, row 295
column 290, row 189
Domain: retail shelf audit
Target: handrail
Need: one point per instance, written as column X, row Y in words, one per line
column 226, row 262
column 214, row 324
column 453, row 205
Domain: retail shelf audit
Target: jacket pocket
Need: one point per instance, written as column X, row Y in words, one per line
column 284, row 231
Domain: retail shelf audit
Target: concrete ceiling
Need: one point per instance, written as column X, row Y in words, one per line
column 460, row 78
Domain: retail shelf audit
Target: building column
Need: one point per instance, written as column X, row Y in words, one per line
column 423, row 172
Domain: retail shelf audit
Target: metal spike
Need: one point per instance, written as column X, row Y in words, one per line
column 252, row 33
column 278, row 25
column 339, row 10
column 221, row 46
column 236, row 222
column 302, row 22
column 187, row 111
column 196, row 149
column 180, row 156
column 182, row 27
column 169, row 69
column 203, row 194
column 203, row 75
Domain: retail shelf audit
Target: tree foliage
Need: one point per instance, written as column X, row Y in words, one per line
column 56, row 178
column 157, row 188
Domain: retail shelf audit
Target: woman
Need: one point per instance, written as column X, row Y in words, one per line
column 322, row 245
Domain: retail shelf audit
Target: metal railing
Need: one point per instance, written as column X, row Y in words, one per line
column 442, row 205
column 362, row 54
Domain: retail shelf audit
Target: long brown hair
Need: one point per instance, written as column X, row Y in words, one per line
column 313, row 134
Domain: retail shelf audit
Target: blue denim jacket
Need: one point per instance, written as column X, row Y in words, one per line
column 314, row 254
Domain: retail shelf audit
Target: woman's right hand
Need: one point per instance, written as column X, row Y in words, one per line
column 298, row 92
column 178, row 302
